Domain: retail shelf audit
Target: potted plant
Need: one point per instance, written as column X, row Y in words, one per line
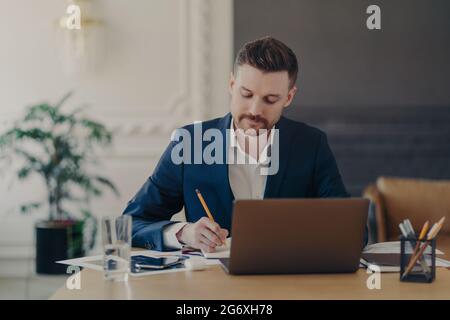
column 59, row 147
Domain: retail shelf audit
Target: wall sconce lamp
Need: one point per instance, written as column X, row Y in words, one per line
column 81, row 37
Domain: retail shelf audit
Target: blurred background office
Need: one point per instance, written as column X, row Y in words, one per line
column 147, row 67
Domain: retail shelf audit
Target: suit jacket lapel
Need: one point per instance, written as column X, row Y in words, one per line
column 222, row 172
column 273, row 183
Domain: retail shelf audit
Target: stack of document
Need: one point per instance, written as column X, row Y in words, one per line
column 386, row 256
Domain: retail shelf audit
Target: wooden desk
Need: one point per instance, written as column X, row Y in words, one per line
column 214, row 283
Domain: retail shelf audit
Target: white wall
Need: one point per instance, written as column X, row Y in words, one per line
column 166, row 64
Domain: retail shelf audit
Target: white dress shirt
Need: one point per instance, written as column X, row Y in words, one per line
column 244, row 177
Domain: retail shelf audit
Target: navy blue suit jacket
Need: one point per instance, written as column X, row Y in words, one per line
column 307, row 169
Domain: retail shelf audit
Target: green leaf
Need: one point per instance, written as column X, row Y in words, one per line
column 69, row 197
column 7, row 138
column 29, row 207
column 64, row 99
column 40, row 112
column 87, row 214
column 98, row 132
column 18, row 135
column 85, row 182
column 33, row 161
column 107, row 183
column 46, row 111
column 24, row 172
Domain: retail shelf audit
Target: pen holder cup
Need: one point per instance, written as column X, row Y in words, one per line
column 416, row 266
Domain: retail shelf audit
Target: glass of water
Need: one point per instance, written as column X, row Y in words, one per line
column 116, row 235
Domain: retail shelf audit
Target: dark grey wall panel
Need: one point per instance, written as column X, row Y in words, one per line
column 344, row 63
column 383, row 97
column 408, row 141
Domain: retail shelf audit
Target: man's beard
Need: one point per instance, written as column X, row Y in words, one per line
column 258, row 119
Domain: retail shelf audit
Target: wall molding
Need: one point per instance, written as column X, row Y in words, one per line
column 193, row 99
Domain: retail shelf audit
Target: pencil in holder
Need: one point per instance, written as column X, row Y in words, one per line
column 417, row 260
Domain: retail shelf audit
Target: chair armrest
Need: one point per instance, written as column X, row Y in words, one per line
column 377, row 205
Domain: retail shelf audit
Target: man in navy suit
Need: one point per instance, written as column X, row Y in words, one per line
column 291, row 160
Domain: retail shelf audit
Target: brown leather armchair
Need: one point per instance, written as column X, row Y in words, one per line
column 395, row 199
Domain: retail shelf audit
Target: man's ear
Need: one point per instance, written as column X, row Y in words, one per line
column 231, row 82
column 291, row 95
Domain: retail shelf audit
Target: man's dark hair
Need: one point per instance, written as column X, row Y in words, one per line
column 269, row 55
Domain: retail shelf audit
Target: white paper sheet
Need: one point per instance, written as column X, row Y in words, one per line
column 96, row 262
column 221, row 252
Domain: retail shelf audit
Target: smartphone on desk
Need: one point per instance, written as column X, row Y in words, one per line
column 142, row 263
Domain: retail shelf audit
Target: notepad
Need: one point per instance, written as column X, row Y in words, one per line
column 221, row 252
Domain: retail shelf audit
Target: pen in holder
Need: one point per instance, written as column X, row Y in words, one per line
column 417, row 259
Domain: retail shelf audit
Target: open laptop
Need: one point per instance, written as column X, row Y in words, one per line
column 277, row 236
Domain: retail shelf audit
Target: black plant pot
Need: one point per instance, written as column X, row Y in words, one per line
column 57, row 240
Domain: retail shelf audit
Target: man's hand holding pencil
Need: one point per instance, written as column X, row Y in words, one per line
column 205, row 234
